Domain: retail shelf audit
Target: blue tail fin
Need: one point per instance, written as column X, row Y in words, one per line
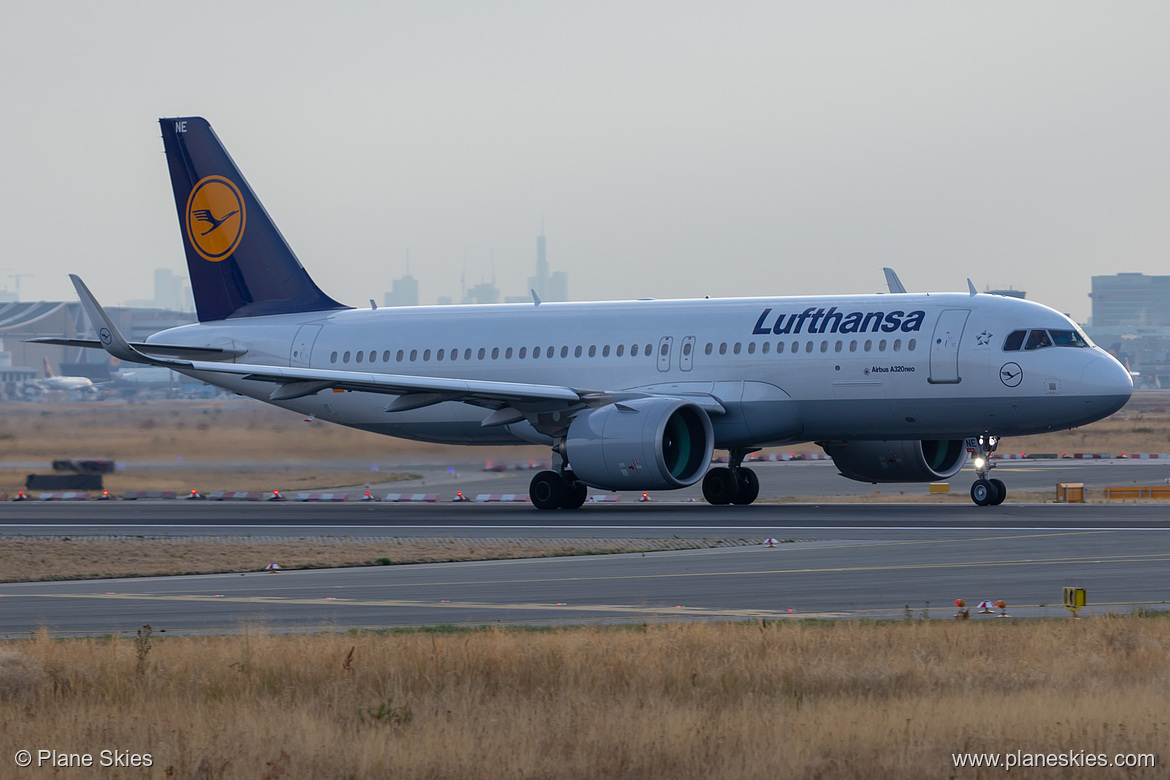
column 240, row 264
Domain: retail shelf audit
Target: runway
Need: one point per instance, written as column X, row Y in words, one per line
column 843, row 560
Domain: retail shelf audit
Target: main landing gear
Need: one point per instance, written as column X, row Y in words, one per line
column 987, row 492
column 550, row 490
column 732, row 485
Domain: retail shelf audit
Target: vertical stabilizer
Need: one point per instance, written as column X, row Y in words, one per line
column 240, row 264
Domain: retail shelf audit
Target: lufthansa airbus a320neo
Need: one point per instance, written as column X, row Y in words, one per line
column 629, row 395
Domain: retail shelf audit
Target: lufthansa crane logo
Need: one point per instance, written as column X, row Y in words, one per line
column 215, row 218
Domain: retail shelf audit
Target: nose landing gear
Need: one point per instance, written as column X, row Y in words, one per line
column 984, row 491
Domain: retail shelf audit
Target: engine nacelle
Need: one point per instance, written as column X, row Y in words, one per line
column 897, row 461
column 643, row 444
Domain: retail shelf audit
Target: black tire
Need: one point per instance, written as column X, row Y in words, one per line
column 982, row 492
column 1000, row 492
column 547, row 490
column 575, row 494
column 720, row 486
column 747, row 487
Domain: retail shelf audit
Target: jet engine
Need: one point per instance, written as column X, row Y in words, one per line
column 897, row 461
column 642, row 444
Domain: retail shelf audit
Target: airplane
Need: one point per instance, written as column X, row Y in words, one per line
column 51, row 381
column 628, row 395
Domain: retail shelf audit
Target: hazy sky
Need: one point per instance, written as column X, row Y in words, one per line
column 673, row 149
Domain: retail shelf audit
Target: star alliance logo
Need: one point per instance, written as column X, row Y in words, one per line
column 983, row 339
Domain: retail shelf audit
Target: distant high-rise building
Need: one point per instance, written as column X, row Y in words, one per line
column 1131, row 300
column 403, row 292
column 484, row 292
column 171, row 293
column 550, row 287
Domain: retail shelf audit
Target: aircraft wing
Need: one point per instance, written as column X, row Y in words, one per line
column 413, row 391
column 170, row 350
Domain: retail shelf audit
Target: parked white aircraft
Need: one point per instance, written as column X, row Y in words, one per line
column 629, row 395
column 50, row 381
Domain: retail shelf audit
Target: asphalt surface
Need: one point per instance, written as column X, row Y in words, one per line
column 832, row 560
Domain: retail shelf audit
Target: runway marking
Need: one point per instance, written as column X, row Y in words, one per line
column 390, row 603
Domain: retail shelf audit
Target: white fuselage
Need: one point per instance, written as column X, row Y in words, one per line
column 900, row 366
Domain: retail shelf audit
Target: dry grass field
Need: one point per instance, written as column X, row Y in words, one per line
column 25, row 559
column 697, row 700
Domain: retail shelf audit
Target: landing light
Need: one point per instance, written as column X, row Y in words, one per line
column 980, row 463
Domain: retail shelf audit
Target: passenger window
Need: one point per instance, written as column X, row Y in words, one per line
column 824, row 346
column 481, row 353
column 345, row 357
column 535, row 353
column 808, row 347
column 523, row 352
column 795, row 347
column 735, row 349
column 564, row 352
column 1014, row 341
column 439, row 354
column 779, row 347
column 1038, row 339
column 837, row 347
column 897, row 345
column 605, row 351
column 577, row 351
column 398, row 357
column 687, row 349
column 467, row 354
column 373, row 356
column 882, row 345
column 508, row 354
column 592, row 350
column 358, row 357
column 621, row 349
column 413, row 355
column 426, row 354
column 853, row 345
column 551, row 352
column 911, row 344
column 333, row 358
column 723, row 348
column 495, row 353
column 868, row 345
column 386, row 356
column 707, row 349
column 648, row 350
column 751, row 347
column 455, row 354
column 765, row 347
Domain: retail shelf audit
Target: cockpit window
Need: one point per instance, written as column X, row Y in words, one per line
column 1068, row 338
column 1014, row 341
column 1038, row 339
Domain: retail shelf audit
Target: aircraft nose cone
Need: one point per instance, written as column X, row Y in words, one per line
column 1108, row 381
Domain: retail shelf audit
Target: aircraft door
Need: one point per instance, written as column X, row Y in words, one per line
column 664, row 353
column 944, row 347
column 302, row 346
column 686, row 355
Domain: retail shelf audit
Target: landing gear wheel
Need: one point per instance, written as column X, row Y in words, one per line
column 720, row 486
column 1000, row 492
column 575, row 493
column 747, row 487
column 982, row 492
column 548, row 490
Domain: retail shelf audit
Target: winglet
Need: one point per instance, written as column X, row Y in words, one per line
column 971, row 287
column 893, row 282
column 109, row 336
column 535, row 297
